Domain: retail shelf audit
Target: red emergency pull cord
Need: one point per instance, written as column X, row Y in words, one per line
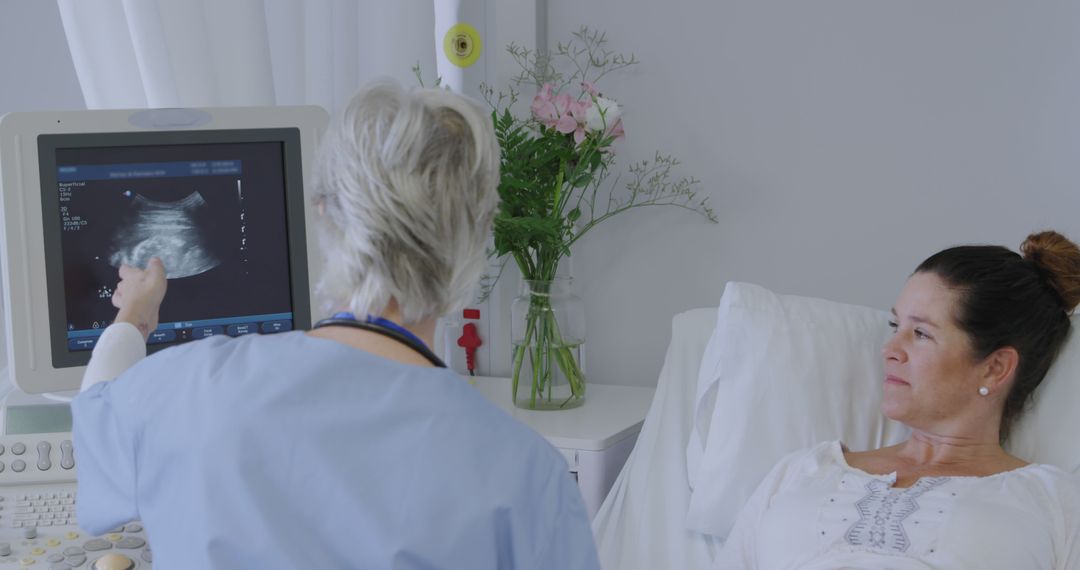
column 470, row 341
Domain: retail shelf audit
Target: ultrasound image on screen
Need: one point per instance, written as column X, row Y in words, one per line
column 176, row 232
column 214, row 214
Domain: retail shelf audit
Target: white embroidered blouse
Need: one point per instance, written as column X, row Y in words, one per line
column 814, row 511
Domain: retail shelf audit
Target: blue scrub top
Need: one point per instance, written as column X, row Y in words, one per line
column 289, row 451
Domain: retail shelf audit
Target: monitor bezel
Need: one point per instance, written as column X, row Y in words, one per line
column 48, row 145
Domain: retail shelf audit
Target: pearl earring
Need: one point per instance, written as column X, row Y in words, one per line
column 983, row 391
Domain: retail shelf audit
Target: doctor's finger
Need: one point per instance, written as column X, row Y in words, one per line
column 128, row 271
column 155, row 266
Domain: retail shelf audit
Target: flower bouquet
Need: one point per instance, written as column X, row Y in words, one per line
column 556, row 162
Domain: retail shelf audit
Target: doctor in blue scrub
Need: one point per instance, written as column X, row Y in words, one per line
column 346, row 446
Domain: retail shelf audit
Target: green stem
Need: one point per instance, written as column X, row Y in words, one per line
column 535, row 378
column 519, row 354
column 548, row 353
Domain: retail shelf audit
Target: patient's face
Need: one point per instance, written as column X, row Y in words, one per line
column 931, row 377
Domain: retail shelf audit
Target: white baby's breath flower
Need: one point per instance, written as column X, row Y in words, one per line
column 601, row 114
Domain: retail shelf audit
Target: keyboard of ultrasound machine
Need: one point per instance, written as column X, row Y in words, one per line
column 37, row 512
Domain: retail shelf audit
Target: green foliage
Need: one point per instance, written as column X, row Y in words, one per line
column 554, row 190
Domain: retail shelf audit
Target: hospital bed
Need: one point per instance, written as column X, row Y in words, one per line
column 758, row 377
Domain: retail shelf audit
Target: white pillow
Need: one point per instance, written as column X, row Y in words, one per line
column 1048, row 431
column 779, row 374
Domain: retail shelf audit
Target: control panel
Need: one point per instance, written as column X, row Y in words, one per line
column 38, row 526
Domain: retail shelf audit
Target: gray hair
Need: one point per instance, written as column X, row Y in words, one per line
column 407, row 182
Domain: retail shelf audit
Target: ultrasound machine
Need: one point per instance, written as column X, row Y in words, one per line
column 217, row 194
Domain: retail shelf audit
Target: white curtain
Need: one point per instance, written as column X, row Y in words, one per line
column 213, row 53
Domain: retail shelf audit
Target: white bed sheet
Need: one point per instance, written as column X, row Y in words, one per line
column 641, row 524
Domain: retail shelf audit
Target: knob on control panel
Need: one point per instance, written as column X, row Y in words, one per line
column 114, row 562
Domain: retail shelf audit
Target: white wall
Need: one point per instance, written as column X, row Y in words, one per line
column 36, row 73
column 841, row 142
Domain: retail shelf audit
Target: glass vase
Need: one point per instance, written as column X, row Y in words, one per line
column 547, row 323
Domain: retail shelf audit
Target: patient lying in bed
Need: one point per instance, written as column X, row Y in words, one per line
column 976, row 329
column 815, row 511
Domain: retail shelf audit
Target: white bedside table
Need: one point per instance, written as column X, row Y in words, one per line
column 596, row 438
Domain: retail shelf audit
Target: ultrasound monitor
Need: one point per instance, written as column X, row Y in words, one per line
column 216, row 194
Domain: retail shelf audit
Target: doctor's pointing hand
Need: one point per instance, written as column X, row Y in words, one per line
column 139, row 295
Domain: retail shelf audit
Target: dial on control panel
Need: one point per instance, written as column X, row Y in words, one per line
column 114, row 561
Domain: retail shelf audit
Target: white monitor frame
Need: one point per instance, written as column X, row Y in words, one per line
column 26, row 327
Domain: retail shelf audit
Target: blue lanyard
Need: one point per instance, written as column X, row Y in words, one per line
column 387, row 323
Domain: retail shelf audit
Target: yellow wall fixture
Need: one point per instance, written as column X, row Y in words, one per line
column 462, row 45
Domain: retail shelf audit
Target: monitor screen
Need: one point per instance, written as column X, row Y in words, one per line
column 51, row 418
column 217, row 207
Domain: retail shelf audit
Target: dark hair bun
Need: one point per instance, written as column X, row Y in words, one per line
column 1059, row 260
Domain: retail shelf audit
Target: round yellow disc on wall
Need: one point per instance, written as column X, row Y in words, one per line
column 461, row 44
